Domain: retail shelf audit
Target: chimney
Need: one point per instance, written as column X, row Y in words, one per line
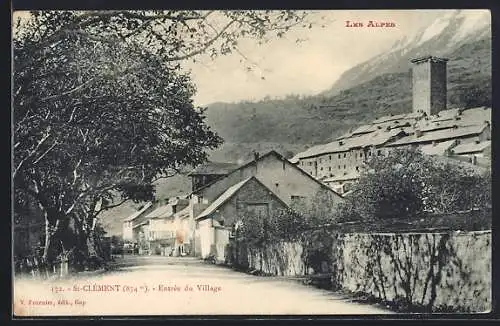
column 429, row 84
column 256, row 155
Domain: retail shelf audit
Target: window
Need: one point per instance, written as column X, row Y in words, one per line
column 357, row 168
column 339, row 156
column 369, row 153
column 329, row 168
column 321, row 169
column 345, row 155
column 379, row 152
column 344, row 166
column 339, row 167
column 360, row 154
column 330, row 157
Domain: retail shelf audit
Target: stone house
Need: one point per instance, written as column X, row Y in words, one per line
column 217, row 222
column 283, row 181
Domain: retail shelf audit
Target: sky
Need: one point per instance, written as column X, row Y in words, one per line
column 308, row 67
column 283, row 66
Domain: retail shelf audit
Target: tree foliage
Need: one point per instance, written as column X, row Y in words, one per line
column 260, row 231
column 173, row 35
column 406, row 184
column 101, row 108
column 289, row 224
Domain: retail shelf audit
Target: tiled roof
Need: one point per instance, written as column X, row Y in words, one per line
column 220, row 168
column 445, row 114
column 362, row 129
column 468, row 116
column 183, row 213
column 230, row 192
column 425, row 125
column 476, row 115
column 437, row 149
column 439, row 135
column 403, row 116
column 162, row 211
column 471, row 147
column 348, row 176
column 372, row 139
column 139, row 212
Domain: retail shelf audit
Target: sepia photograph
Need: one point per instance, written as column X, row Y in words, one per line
column 251, row 162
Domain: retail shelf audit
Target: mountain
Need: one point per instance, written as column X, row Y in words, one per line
column 442, row 37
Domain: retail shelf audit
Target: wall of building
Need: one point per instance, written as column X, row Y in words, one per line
column 281, row 177
column 438, row 86
column 251, row 193
column 221, row 238
column 161, row 229
column 421, row 89
column 339, row 163
column 127, row 232
column 205, row 234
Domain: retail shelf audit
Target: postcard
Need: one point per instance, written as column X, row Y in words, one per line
column 251, row 162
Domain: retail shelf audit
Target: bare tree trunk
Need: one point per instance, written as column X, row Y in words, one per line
column 47, row 239
column 50, row 230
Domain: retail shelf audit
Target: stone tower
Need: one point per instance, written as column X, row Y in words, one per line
column 429, row 84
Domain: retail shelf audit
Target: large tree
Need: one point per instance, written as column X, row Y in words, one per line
column 101, row 109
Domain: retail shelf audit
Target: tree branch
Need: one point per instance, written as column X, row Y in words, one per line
column 112, row 206
column 68, row 92
column 203, row 47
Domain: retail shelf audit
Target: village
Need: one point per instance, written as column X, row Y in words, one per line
column 202, row 222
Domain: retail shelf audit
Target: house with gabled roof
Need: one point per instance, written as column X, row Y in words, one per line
column 132, row 220
column 282, row 182
column 217, row 222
